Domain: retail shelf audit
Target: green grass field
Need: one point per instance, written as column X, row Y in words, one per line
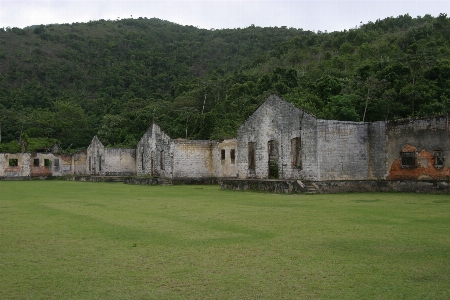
column 75, row 240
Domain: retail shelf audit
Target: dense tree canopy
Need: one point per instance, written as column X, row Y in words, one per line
column 68, row 82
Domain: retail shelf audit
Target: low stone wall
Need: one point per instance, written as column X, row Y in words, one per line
column 426, row 187
column 269, row 186
column 333, row 186
column 195, row 181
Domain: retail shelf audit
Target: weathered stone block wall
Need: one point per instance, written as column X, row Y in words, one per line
column 152, row 149
column 377, row 150
column 343, row 150
column 422, row 137
column 279, row 121
column 79, row 160
column 194, row 158
column 227, row 167
column 119, row 162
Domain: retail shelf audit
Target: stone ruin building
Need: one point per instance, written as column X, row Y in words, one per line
column 278, row 141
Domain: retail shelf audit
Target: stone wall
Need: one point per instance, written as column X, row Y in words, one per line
column 195, row 158
column 337, row 186
column 104, row 161
column 342, row 150
column 278, row 122
column 15, row 164
column 227, row 157
column 119, row 162
column 154, row 153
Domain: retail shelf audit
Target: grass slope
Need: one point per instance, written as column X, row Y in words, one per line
column 73, row 240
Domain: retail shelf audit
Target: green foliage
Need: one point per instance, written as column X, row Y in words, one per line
column 113, row 78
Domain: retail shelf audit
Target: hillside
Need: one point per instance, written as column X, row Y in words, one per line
column 112, row 78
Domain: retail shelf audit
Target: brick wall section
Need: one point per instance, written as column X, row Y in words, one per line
column 424, row 135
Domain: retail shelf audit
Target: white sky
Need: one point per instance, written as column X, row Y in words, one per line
column 323, row 15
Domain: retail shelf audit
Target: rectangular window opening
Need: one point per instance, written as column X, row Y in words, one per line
column 408, row 159
column 222, row 154
column 90, row 166
column 251, row 155
column 162, row 160
column 99, row 163
column 232, row 155
column 296, row 152
column 47, row 163
column 36, row 162
column 13, row 162
column 438, row 158
column 56, row 162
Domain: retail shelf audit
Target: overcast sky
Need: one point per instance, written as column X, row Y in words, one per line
column 323, row 15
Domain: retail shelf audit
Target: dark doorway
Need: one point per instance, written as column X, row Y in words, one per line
column 273, row 159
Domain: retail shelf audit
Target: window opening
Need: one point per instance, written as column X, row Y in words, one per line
column 408, row 159
column 36, row 162
column 296, row 152
column 47, row 163
column 56, row 162
column 142, row 161
column 232, row 155
column 222, row 154
column 99, row 163
column 251, row 155
column 273, row 159
column 90, row 165
column 162, row 160
column 438, row 158
column 13, row 162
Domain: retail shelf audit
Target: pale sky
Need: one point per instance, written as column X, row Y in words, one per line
column 323, row 15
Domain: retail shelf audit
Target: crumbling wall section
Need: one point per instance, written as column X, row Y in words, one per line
column 343, row 150
column 15, row 164
column 423, row 139
column 79, row 163
column 195, row 158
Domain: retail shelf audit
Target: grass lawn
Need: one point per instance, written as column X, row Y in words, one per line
column 75, row 240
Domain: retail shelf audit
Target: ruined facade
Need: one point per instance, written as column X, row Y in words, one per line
column 278, row 141
column 282, row 141
column 110, row 161
column 159, row 155
column 41, row 164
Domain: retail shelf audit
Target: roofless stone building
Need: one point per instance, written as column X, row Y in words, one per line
column 278, row 141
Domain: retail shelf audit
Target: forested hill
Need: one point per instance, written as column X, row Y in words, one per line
column 68, row 82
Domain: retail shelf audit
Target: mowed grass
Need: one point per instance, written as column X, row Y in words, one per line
column 75, row 240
